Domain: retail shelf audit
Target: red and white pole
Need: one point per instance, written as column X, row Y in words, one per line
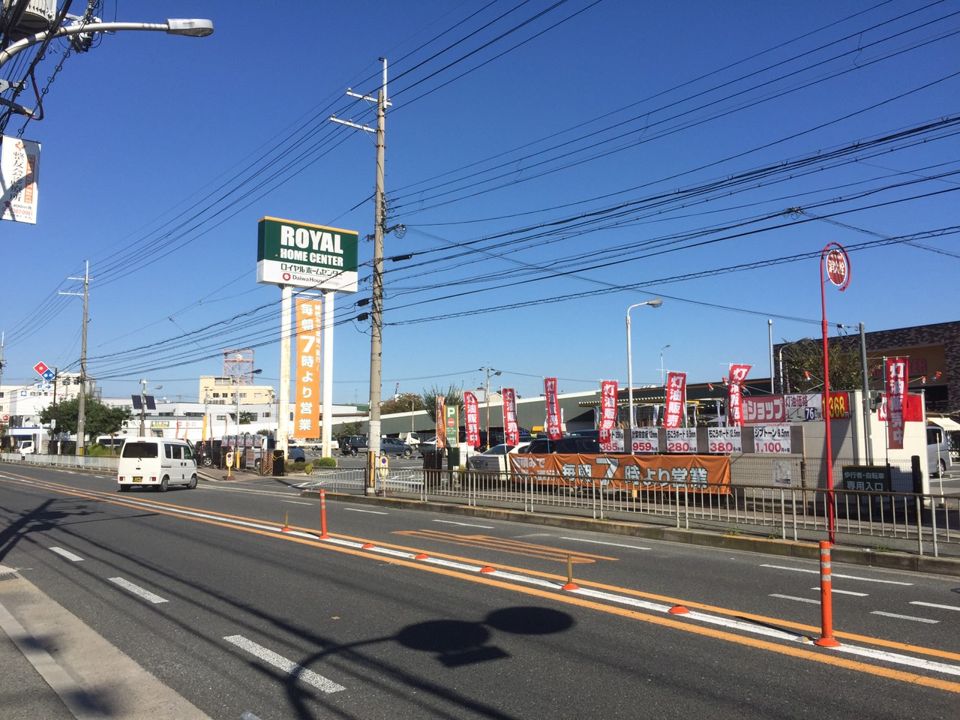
column 323, row 514
column 826, row 638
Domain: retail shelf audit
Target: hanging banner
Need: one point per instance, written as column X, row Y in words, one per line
column 912, row 408
column 452, row 425
column 553, row 409
column 608, row 411
column 511, row 432
column 676, row 399
column 19, row 179
column 471, row 419
column 306, row 411
column 896, row 373
column 440, row 408
column 738, row 373
column 690, row 473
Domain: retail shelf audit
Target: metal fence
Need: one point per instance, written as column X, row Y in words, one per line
column 80, row 462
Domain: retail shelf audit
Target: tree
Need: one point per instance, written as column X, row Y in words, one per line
column 803, row 365
column 404, row 402
column 100, row 419
column 247, row 417
column 452, row 395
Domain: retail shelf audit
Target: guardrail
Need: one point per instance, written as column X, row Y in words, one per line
column 78, row 462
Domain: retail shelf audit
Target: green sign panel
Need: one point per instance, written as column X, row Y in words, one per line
column 305, row 255
column 452, row 425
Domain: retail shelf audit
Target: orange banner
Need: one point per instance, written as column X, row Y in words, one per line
column 695, row 473
column 306, row 413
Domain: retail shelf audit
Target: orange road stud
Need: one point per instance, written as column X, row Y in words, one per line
column 826, row 638
column 487, row 569
column 367, row 546
column 421, row 556
column 678, row 610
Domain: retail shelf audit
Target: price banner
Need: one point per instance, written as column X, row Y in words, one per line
column 771, row 439
column 681, row 440
column 646, row 440
column 724, row 440
column 612, row 442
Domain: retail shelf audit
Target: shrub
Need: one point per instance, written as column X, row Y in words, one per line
column 326, row 462
column 308, row 468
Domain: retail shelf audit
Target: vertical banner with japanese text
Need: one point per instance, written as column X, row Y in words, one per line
column 553, row 408
column 738, row 373
column 897, row 374
column 511, row 432
column 471, row 419
column 19, row 179
column 608, row 409
column 676, row 399
column 306, row 412
column 440, row 408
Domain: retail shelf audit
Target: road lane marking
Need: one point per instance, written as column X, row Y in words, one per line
column 288, row 666
column 66, row 554
column 792, row 597
column 905, row 617
column 372, row 512
column 137, row 590
column 453, row 522
column 935, row 605
column 844, row 592
column 507, row 545
column 838, row 575
column 297, row 502
column 600, row 542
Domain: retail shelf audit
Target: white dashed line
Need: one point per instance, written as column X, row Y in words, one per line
column 600, row 542
column 453, row 522
column 66, row 554
column 838, row 575
column 845, row 592
column 935, row 605
column 372, row 512
column 905, row 617
column 798, row 599
column 297, row 502
column 287, row 666
column 137, row 590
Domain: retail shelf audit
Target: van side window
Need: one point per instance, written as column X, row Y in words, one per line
column 168, row 450
column 187, row 453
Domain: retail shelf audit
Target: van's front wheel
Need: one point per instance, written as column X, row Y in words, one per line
column 193, row 482
column 164, row 483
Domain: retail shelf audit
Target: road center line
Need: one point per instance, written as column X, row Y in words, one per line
column 905, row 617
column 454, row 522
column 288, row 666
column 66, row 554
column 137, row 590
column 792, row 597
column 838, row 575
column 601, row 542
column 372, row 512
column 935, row 605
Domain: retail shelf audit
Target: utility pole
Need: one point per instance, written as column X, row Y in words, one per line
column 82, row 400
column 488, row 371
column 376, row 312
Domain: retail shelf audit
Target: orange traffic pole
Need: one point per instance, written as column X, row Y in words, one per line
column 826, row 638
column 323, row 514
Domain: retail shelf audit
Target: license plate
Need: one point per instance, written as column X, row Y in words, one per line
column 137, row 478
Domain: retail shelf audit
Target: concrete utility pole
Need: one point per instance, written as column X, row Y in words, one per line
column 82, row 400
column 488, row 371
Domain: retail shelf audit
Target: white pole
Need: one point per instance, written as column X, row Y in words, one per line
column 283, row 416
column 629, row 441
column 327, row 391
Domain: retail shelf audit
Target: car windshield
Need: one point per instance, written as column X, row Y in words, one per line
column 499, row 450
column 140, row 450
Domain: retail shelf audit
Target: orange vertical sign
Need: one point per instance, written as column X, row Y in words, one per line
column 306, row 413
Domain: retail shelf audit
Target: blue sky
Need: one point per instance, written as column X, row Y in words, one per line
column 631, row 151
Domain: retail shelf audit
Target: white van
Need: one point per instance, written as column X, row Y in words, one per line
column 939, row 460
column 156, row 462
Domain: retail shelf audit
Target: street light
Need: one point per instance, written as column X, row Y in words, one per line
column 662, row 375
column 656, row 302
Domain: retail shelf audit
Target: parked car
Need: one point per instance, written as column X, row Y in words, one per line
column 395, row 447
column 296, row 454
column 571, row 445
column 494, row 459
column 352, row 444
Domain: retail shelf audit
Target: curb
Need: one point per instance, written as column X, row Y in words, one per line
column 807, row 550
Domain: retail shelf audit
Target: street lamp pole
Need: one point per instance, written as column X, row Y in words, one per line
column 656, row 302
column 662, row 372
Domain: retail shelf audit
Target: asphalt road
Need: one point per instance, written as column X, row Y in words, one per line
column 204, row 590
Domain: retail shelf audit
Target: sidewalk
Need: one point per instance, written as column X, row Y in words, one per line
column 45, row 653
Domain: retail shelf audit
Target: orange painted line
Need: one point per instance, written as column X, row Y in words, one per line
column 954, row 687
column 489, row 543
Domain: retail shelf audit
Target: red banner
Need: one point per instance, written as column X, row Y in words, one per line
column 676, row 399
column 608, row 409
column 440, row 405
column 684, row 473
column 553, row 408
column 896, row 374
column 738, row 373
column 511, row 433
column 471, row 419
column 306, row 410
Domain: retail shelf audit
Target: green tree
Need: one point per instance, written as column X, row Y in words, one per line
column 247, row 417
column 453, row 395
column 803, row 365
column 404, row 402
column 100, row 419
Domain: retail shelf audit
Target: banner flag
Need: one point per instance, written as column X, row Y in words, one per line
column 511, row 432
column 897, row 374
column 676, row 399
column 306, row 411
column 471, row 418
column 738, row 373
column 608, row 409
column 553, row 408
column 440, row 407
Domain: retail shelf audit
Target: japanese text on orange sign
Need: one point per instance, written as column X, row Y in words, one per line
column 306, row 414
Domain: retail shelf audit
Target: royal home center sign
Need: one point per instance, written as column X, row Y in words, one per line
column 305, row 255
